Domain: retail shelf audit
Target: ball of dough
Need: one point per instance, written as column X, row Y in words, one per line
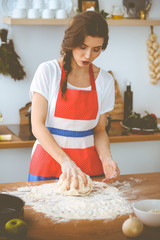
column 82, row 190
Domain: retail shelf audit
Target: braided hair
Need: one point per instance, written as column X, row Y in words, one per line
column 84, row 24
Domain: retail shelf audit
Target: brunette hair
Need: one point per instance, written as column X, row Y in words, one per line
column 89, row 23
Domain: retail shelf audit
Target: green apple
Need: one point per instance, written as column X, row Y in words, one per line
column 16, row 229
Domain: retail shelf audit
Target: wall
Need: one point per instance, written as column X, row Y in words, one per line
column 126, row 56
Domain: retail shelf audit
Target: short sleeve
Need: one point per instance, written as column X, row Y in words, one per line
column 41, row 81
column 107, row 93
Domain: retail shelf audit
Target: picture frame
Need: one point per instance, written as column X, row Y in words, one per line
column 84, row 5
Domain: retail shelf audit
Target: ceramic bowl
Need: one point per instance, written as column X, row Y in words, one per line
column 148, row 211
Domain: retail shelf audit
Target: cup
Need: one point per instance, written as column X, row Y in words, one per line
column 22, row 4
column 19, row 13
column 47, row 13
column 33, row 13
column 61, row 14
column 38, row 4
column 54, row 4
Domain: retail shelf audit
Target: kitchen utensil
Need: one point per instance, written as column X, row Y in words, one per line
column 148, row 211
column 118, row 11
column 10, row 207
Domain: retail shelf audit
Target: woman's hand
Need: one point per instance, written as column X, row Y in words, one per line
column 69, row 170
column 110, row 169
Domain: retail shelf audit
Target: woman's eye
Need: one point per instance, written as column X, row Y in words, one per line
column 82, row 47
column 96, row 49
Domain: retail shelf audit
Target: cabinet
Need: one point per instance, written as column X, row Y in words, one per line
column 111, row 22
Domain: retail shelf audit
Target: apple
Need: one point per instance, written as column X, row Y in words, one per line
column 16, row 229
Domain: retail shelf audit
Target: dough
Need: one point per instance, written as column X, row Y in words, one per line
column 82, row 190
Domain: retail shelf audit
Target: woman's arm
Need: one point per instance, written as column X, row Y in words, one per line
column 45, row 138
column 102, row 146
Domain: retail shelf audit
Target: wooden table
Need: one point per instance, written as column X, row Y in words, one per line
column 41, row 227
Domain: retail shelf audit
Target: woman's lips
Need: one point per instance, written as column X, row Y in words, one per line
column 85, row 62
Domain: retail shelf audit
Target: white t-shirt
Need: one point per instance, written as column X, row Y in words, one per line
column 46, row 81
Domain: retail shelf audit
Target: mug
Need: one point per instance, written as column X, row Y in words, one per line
column 118, row 11
column 38, row 4
column 22, row 4
column 61, row 14
column 47, row 13
column 33, row 13
column 19, row 13
column 54, row 4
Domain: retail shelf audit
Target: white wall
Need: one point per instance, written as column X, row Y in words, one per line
column 125, row 55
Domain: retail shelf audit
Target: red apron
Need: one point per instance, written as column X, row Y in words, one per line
column 73, row 123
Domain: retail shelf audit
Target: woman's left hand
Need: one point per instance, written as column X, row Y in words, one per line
column 110, row 169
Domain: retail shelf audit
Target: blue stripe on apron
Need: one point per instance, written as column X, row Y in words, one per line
column 70, row 133
column 38, row 178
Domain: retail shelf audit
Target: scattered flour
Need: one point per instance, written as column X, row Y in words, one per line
column 106, row 201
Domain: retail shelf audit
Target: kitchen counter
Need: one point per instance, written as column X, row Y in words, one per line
column 21, row 137
column 41, row 227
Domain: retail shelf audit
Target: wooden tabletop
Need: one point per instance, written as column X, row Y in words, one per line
column 43, row 228
column 21, row 136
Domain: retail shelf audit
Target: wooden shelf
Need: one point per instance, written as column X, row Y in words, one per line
column 111, row 22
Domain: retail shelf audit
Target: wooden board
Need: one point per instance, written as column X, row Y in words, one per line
column 41, row 227
column 118, row 111
column 23, row 114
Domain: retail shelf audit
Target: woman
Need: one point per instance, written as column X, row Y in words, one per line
column 70, row 98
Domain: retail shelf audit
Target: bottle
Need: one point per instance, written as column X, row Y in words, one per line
column 128, row 101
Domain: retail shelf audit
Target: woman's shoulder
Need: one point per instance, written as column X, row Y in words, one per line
column 49, row 65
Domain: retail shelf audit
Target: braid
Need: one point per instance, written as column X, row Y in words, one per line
column 67, row 68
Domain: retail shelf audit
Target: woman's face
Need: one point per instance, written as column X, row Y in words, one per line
column 88, row 51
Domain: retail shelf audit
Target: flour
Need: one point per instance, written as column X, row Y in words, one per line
column 106, row 201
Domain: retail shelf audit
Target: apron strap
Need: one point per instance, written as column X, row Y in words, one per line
column 93, row 87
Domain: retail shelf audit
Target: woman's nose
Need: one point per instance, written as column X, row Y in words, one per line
column 88, row 54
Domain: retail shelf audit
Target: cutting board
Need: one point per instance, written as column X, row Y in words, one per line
column 118, row 111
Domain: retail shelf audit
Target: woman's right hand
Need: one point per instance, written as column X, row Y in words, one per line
column 69, row 170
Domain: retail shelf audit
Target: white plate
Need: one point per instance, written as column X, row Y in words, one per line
column 67, row 5
column 8, row 6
